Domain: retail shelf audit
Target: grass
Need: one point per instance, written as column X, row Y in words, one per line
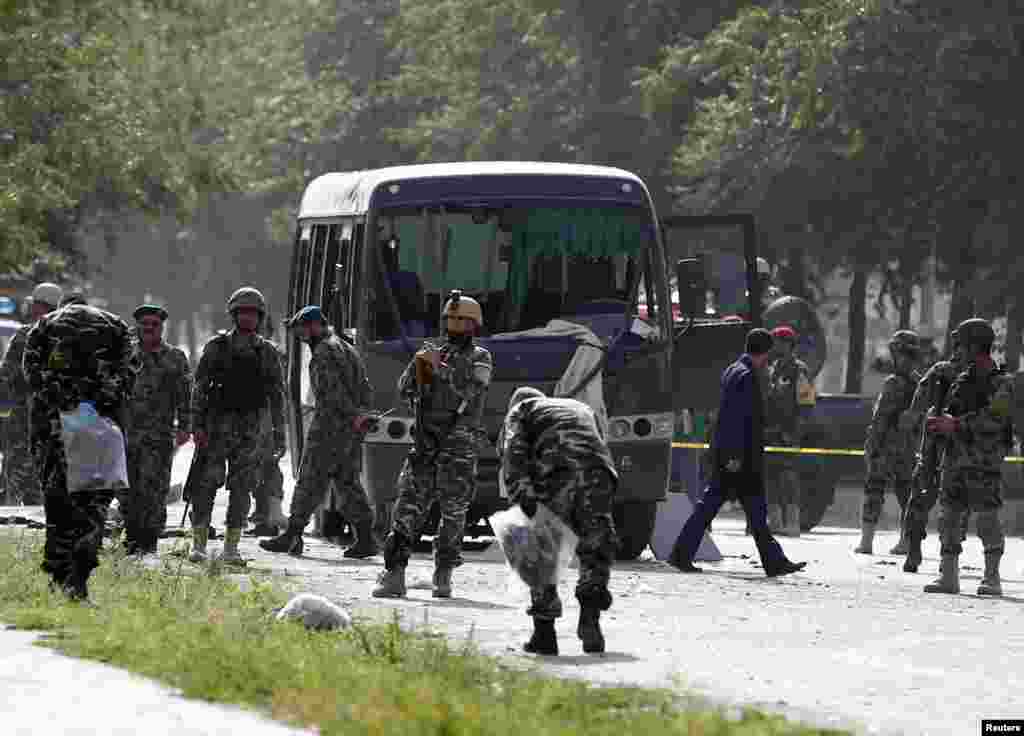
column 202, row 634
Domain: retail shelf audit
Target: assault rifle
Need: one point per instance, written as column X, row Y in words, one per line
column 932, row 445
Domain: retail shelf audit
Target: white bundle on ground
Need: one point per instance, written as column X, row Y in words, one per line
column 315, row 612
column 538, row 549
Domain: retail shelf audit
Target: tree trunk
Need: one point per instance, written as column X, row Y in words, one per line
column 857, row 323
column 1014, row 315
column 906, row 302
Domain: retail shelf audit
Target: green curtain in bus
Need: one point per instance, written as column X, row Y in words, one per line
column 573, row 232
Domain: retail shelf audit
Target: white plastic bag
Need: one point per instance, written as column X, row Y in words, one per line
column 94, row 450
column 538, row 550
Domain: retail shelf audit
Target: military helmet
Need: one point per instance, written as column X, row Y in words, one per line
column 976, row 333
column 905, row 341
column 463, row 306
column 48, row 294
column 247, row 296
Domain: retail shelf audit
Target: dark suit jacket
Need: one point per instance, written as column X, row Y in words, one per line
column 739, row 433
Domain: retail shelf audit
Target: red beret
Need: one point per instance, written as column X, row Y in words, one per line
column 784, row 332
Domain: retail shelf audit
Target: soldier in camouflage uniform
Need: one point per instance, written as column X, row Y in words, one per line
column 158, row 421
column 553, row 453
column 447, row 387
column 929, row 399
column 238, row 379
column 21, row 483
column 787, row 388
column 77, row 354
column 267, row 516
column 887, row 448
column 978, row 426
column 333, row 448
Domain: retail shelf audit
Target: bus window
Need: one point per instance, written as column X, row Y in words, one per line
column 526, row 266
column 315, row 289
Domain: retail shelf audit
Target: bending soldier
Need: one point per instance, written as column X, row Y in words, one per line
column 978, row 427
column 553, row 453
column 21, row 483
column 929, row 399
column 788, row 387
column 76, row 354
column 447, row 386
column 888, row 444
column 163, row 390
column 238, row 378
column 333, row 448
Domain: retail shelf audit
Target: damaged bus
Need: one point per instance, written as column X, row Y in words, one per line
column 569, row 265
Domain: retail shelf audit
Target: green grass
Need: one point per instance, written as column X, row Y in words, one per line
column 202, row 634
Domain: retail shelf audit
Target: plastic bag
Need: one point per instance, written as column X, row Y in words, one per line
column 538, row 550
column 94, row 450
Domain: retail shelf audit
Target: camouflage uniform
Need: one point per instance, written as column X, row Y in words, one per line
column 887, row 448
column 782, row 429
column 163, row 390
column 237, row 378
column 271, row 485
column 78, row 353
column 442, row 465
column 20, row 480
column 932, row 391
column 333, row 449
column 553, row 453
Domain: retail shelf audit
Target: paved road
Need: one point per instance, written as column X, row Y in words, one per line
column 852, row 642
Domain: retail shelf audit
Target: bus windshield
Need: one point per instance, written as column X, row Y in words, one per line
column 525, row 265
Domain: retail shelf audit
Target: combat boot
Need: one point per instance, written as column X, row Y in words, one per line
column 791, row 528
column 913, row 560
column 230, row 555
column 391, row 583
column 949, row 576
column 199, row 537
column 990, row 583
column 544, row 640
column 589, row 630
column 289, row 542
column 365, row 545
column 867, row 539
column 901, row 545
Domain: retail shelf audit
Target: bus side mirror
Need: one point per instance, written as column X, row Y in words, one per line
column 692, row 286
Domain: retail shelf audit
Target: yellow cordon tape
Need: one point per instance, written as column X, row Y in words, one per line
column 810, row 450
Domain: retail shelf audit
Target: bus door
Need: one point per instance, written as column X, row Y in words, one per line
column 712, row 262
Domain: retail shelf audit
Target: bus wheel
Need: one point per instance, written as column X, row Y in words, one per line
column 634, row 523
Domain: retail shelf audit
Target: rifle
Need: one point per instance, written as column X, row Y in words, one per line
column 195, row 472
column 932, row 446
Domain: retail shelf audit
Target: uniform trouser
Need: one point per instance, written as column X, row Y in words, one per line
column 981, row 491
column 235, row 439
column 880, row 476
column 328, row 456
column 74, row 522
column 751, row 495
column 144, row 503
column 21, row 481
column 584, row 503
column 447, row 478
column 271, row 483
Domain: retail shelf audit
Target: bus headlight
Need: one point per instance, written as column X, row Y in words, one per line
column 642, row 427
column 396, row 429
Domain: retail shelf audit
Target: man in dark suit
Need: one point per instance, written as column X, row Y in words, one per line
column 737, row 451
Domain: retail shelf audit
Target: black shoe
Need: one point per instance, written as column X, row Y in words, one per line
column 263, row 529
column 543, row 640
column 289, row 542
column 786, row 568
column 682, row 564
column 913, row 560
column 365, row 546
column 589, row 631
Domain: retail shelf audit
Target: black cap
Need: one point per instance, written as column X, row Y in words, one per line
column 759, row 341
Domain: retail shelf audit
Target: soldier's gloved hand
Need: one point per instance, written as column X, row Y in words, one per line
column 529, row 505
column 280, row 444
column 181, row 438
column 200, row 438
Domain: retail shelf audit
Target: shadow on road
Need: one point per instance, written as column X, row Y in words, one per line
column 591, row 659
column 470, row 603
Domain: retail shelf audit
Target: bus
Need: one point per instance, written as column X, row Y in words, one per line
column 560, row 256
